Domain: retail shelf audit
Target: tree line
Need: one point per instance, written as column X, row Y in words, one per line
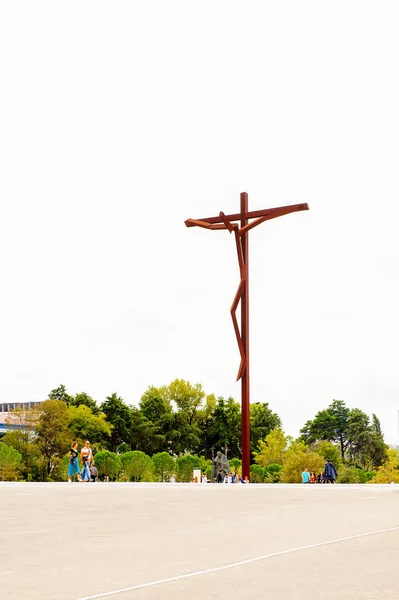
column 177, row 427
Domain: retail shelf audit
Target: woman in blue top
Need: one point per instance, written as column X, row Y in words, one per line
column 73, row 467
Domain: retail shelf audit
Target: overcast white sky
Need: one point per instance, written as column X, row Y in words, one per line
column 119, row 120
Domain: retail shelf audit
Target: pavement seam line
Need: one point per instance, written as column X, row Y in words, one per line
column 235, row 564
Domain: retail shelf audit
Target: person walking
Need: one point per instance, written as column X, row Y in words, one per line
column 73, row 466
column 330, row 472
column 86, row 455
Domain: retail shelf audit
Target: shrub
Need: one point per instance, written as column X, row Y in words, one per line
column 272, row 449
column 108, row 464
column 296, row 459
column 137, row 466
column 256, row 474
column 272, row 473
column 10, row 462
column 164, row 466
column 185, row 466
column 236, row 465
column 364, row 476
column 63, row 468
column 389, row 471
column 348, row 475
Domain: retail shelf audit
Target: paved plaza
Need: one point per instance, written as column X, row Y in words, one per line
column 194, row 542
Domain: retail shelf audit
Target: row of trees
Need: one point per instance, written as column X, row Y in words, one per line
column 360, row 439
column 178, row 417
column 179, row 425
column 281, row 458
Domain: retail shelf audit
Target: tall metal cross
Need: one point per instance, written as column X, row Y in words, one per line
column 242, row 333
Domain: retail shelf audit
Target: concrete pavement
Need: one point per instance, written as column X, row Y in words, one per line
column 78, row 541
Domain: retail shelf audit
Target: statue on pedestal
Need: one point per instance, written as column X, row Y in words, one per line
column 220, row 465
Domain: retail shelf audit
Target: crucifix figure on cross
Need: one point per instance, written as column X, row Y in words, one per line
column 240, row 231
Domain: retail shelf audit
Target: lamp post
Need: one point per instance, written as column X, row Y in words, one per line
column 240, row 230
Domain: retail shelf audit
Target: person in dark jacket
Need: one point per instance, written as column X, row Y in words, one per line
column 93, row 472
column 330, row 472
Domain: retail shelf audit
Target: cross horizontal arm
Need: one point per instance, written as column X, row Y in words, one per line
column 204, row 224
column 268, row 213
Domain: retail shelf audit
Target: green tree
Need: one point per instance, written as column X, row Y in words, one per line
column 23, row 438
column 235, row 465
column 84, row 425
column 84, row 399
column 164, row 466
column 271, row 450
column 183, row 435
column 60, row 393
column 120, row 417
column 272, row 473
column 205, row 411
column 187, row 397
column 53, row 436
column 10, row 461
column 329, row 451
column 144, row 434
column 359, row 437
column 184, row 427
column 257, row 474
column 137, row 466
column 330, row 424
column 348, row 475
column 108, row 464
column 262, row 420
column 223, row 428
column 364, row 476
column 155, row 404
column 63, row 468
column 30, row 452
column 296, row 458
column 156, row 410
column 379, row 448
column 389, row 471
column 185, row 466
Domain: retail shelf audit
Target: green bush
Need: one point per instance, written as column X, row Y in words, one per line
column 164, row 466
column 10, row 462
column 208, row 472
column 256, row 474
column 137, row 466
column 235, row 465
column 108, row 464
column 348, row 475
column 364, row 476
column 272, row 473
column 63, row 468
column 185, row 466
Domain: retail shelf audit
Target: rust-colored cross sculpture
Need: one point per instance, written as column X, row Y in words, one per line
column 242, row 334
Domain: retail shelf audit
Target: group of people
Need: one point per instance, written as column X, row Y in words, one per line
column 88, row 472
column 232, row 477
column 327, row 475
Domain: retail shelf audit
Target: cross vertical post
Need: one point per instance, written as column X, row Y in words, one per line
column 228, row 222
column 245, row 425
